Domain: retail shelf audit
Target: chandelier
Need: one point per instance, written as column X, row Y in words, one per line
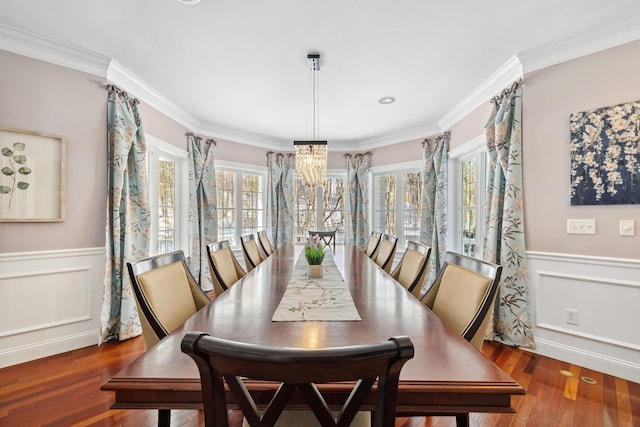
column 311, row 155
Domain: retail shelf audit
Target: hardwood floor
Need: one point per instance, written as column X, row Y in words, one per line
column 64, row 390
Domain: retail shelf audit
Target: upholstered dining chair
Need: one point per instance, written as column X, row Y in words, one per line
column 223, row 266
column 253, row 254
column 412, row 268
column 372, row 244
column 265, row 243
column 463, row 294
column 221, row 361
column 166, row 295
column 385, row 252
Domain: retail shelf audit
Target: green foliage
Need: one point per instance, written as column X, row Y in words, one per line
column 15, row 160
column 314, row 250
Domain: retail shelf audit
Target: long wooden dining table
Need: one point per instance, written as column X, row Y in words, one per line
column 446, row 375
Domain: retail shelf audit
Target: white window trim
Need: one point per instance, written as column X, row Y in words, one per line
column 399, row 169
column 472, row 148
column 157, row 148
column 241, row 169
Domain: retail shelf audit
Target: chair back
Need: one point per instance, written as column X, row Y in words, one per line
column 253, row 255
column 463, row 295
column 166, row 294
column 297, row 369
column 412, row 268
column 385, row 252
column 372, row 244
column 265, row 243
column 223, row 266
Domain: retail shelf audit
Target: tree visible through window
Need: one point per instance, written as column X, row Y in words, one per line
column 319, row 209
column 468, row 208
column 166, row 206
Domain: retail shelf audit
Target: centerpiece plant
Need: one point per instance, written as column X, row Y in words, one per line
column 314, row 250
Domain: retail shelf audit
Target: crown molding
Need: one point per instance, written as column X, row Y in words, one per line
column 592, row 40
column 421, row 132
column 126, row 80
column 509, row 72
column 58, row 53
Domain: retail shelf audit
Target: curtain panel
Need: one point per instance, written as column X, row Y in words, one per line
column 433, row 218
column 128, row 215
column 280, row 208
column 203, row 207
column 356, row 199
column 504, row 238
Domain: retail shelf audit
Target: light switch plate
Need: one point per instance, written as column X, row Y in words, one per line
column 627, row 227
column 581, row 226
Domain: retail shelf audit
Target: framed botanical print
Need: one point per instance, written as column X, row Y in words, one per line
column 32, row 176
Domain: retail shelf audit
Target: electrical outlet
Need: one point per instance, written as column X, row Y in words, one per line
column 571, row 316
column 581, row 226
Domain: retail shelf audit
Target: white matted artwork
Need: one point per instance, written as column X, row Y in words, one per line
column 32, row 176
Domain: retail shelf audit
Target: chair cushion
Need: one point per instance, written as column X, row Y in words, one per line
column 383, row 252
column 252, row 250
column 169, row 295
column 373, row 241
column 410, row 267
column 459, row 296
column 223, row 261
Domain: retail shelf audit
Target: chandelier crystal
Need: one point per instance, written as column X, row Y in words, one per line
column 311, row 156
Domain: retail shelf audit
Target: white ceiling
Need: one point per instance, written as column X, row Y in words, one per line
column 238, row 68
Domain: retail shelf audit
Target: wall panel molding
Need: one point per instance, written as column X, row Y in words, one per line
column 50, row 302
column 604, row 291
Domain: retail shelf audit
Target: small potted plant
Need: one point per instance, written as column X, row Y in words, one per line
column 314, row 252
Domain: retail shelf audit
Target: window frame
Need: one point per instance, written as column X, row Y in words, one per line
column 474, row 149
column 399, row 169
column 158, row 149
column 331, row 173
column 240, row 169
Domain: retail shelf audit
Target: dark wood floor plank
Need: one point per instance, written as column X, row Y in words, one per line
column 64, row 390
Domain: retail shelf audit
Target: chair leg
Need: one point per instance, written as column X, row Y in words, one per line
column 462, row 420
column 164, row 417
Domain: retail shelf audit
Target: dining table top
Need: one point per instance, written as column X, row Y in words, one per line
column 446, row 374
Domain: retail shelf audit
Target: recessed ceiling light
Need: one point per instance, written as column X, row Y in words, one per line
column 189, row 1
column 387, row 100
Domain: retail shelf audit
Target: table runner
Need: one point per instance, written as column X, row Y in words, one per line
column 318, row 299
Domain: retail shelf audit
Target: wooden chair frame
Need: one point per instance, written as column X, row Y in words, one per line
column 250, row 262
column 219, row 285
column 265, row 243
column 415, row 287
column 386, row 264
column 297, row 369
column 151, row 263
column 374, row 235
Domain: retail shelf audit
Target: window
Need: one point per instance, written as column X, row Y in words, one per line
column 168, row 196
column 466, row 195
column 241, row 199
column 319, row 208
column 397, row 202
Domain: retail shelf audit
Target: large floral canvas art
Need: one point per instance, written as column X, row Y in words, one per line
column 605, row 155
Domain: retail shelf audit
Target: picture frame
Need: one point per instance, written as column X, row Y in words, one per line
column 605, row 155
column 32, row 176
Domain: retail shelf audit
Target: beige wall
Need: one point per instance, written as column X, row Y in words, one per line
column 549, row 97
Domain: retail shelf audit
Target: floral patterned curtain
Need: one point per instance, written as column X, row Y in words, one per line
column 356, row 199
column 433, row 218
column 128, row 215
column 504, row 239
column 280, row 198
column 203, row 207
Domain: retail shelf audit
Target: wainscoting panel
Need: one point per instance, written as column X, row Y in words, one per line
column 587, row 311
column 50, row 302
